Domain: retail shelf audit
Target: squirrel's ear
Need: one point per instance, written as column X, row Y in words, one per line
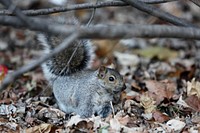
column 112, row 66
column 102, row 72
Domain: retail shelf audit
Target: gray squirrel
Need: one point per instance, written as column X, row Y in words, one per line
column 76, row 88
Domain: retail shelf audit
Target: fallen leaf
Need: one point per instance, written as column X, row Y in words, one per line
column 195, row 118
column 83, row 125
column 129, row 94
column 127, row 59
column 115, row 125
column 124, row 120
column 3, row 72
column 160, row 90
column 98, row 122
column 10, row 127
column 147, row 116
column 7, row 109
column 75, row 120
column 160, row 117
column 194, row 129
column 182, row 102
column 194, row 102
column 128, row 103
column 147, row 103
column 193, row 88
column 53, row 115
column 161, row 52
column 105, row 47
column 176, row 125
column 42, row 128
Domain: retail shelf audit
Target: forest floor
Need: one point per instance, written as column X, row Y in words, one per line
column 162, row 77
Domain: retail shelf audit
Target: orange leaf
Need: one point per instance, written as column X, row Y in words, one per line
column 3, row 72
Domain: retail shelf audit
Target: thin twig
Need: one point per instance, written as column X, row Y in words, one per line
column 107, row 31
column 12, row 76
column 137, row 4
column 11, row 7
column 156, row 1
column 113, row 111
column 79, row 7
column 197, row 2
column 92, row 15
column 158, row 13
column 38, row 25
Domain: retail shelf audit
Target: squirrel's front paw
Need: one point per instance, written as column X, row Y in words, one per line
column 105, row 111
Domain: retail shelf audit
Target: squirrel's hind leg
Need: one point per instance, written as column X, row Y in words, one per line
column 105, row 110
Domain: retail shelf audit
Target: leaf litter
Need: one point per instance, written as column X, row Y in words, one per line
column 162, row 79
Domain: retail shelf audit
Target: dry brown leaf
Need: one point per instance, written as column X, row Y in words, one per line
column 105, row 47
column 123, row 96
column 123, row 123
column 51, row 114
column 160, row 117
column 81, row 14
column 160, row 89
column 128, row 94
column 42, row 128
column 195, row 118
column 135, row 86
column 84, row 125
column 6, row 126
column 128, row 103
column 193, row 88
column 147, row 103
column 193, row 102
column 124, row 120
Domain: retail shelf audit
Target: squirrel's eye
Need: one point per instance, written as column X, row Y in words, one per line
column 112, row 78
column 101, row 75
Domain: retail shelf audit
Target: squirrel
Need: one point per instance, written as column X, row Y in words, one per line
column 76, row 88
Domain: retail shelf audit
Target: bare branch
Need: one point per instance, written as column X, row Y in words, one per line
column 37, row 25
column 12, row 76
column 79, row 7
column 158, row 13
column 145, row 31
column 156, row 1
column 140, row 5
column 11, row 7
column 197, row 2
column 106, row 31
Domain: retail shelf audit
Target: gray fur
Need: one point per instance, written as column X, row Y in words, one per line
column 76, row 88
column 79, row 93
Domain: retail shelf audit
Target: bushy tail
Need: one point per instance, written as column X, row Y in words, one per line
column 74, row 58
